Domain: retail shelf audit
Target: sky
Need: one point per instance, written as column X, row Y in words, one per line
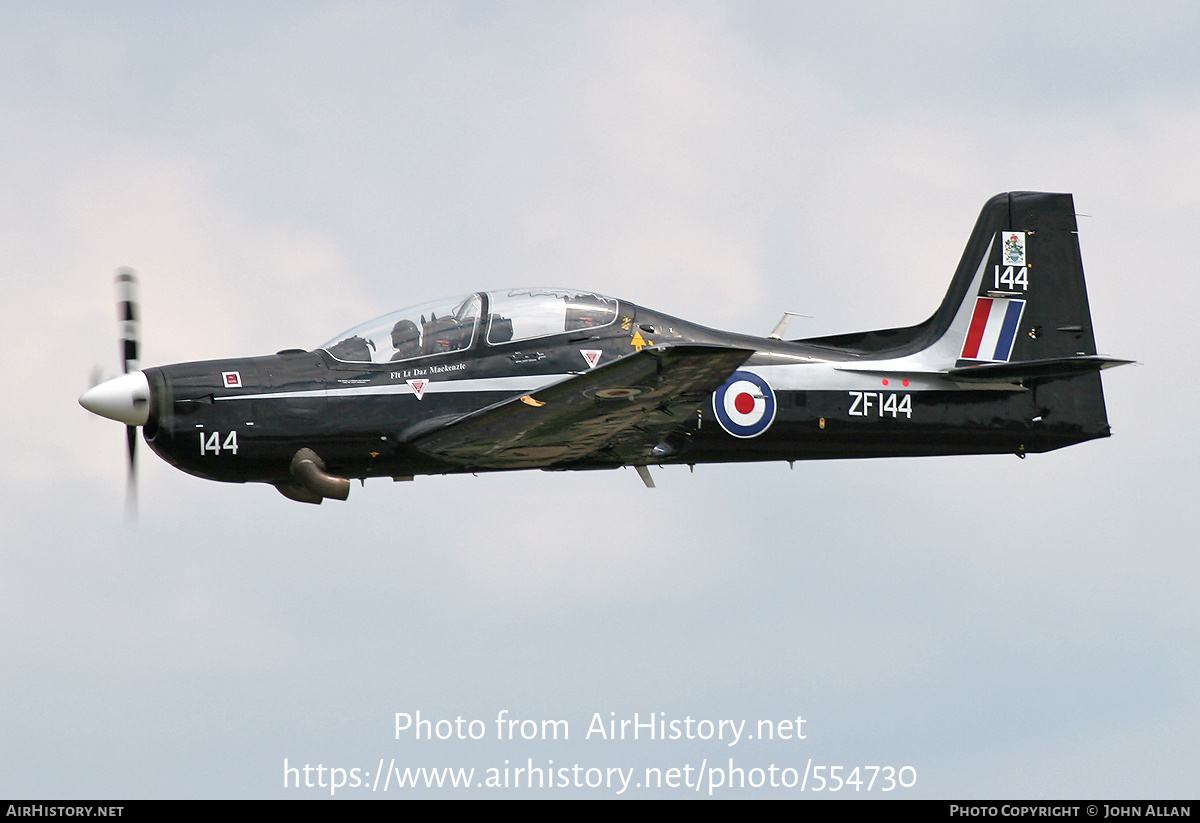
column 277, row 172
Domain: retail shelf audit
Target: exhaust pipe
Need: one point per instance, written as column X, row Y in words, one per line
column 309, row 470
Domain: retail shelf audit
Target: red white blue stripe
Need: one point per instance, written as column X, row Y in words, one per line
column 993, row 329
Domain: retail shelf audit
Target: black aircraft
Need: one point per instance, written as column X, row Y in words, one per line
column 559, row 379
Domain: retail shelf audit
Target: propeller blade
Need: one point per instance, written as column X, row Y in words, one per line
column 131, row 476
column 128, row 314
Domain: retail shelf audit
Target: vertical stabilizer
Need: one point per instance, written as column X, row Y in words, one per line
column 1017, row 295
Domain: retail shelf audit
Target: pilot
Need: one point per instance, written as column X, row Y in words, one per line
column 406, row 340
column 447, row 334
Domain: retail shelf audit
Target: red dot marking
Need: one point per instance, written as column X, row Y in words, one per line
column 885, row 381
column 906, row 382
column 744, row 403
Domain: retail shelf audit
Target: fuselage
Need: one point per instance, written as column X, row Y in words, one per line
column 243, row 419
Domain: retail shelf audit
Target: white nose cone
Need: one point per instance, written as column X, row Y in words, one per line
column 125, row 399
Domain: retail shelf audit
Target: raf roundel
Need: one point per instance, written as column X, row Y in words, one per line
column 745, row 405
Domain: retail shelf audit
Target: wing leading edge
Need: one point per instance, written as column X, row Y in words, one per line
column 611, row 414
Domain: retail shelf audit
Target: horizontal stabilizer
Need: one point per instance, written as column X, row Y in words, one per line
column 1053, row 368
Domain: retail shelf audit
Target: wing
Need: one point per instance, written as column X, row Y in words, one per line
column 607, row 415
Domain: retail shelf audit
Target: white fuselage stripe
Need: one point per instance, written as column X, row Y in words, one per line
column 510, row 385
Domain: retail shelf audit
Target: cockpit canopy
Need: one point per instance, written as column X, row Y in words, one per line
column 454, row 324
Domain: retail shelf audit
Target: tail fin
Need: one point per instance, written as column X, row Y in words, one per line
column 1018, row 296
column 1029, row 302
